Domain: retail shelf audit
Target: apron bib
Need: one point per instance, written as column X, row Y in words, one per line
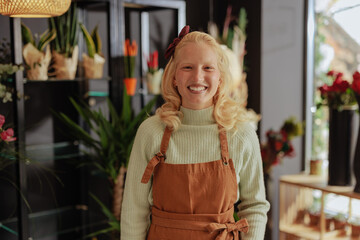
column 193, row 201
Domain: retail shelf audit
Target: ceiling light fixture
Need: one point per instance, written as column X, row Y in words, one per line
column 34, row 8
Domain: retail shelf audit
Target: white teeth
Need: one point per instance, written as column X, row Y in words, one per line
column 197, row 88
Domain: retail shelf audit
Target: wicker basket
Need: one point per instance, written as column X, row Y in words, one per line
column 34, row 8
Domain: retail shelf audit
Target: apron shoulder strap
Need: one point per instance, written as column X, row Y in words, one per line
column 160, row 156
column 223, row 144
column 165, row 140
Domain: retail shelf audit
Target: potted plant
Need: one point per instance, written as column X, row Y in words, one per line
column 111, row 142
column 93, row 62
column 64, row 47
column 340, row 221
column 6, row 70
column 279, row 143
column 341, row 102
column 154, row 74
column 314, row 215
column 37, row 61
column 232, row 40
column 355, row 227
column 130, row 52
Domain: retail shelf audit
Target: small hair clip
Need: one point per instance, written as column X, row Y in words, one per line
column 171, row 49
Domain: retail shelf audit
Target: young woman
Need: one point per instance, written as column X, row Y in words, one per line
column 196, row 157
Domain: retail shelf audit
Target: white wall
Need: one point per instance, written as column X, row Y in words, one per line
column 281, row 82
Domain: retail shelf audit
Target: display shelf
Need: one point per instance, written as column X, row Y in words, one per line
column 55, row 222
column 52, row 151
column 296, row 197
column 53, row 80
column 42, row 137
column 319, row 183
column 9, row 226
column 311, row 233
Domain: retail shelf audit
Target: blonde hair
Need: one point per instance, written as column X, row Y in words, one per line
column 227, row 112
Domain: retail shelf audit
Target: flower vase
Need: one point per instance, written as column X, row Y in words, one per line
column 356, row 162
column 130, row 85
column 153, row 81
column 340, row 134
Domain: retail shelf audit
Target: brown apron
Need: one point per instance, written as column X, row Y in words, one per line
column 193, row 201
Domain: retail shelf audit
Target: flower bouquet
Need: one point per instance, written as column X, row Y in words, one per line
column 154, row 74
column 6, row 70
column 338, row 95
column 278, row 144
column 130, row 52
column 6, row 136
column 340, row 99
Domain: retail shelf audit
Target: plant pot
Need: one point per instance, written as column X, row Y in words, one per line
column 314, row 219
column 130, row 85
column 340, row 135
column 93, row 67
column 65, row 68
column 37, row 62
column 355, row 231
column 153, row 81
column 339, row 224
column 316, row 167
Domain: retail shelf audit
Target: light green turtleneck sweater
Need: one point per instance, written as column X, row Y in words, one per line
column 196, row 141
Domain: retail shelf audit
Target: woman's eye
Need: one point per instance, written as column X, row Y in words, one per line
column 187, row 67
column 209, row 68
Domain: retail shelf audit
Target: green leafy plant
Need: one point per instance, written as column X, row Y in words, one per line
column 114, row 224
column 66, row 28
column 110, row 144
column 45, row 38
column 7, row 69
column 93, row 41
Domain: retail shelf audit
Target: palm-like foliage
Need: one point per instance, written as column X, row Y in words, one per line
column 109, row 145
column 110, row 148
column 66, row 27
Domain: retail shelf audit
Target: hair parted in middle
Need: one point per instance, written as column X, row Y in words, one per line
column 227, row 112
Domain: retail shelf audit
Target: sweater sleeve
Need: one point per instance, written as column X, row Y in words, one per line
column 253, row 206
column 136, row 206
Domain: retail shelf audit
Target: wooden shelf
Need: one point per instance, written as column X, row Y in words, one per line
column 319, row 183
column 311, row 233
column 296, row 196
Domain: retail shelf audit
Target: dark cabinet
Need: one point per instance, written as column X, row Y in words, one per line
column 47, row 197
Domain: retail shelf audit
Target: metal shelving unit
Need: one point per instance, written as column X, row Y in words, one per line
column 58, row 212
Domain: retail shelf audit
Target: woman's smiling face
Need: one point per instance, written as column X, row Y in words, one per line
column 197, row 75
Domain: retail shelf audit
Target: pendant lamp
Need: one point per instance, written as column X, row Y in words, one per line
column 34, row 8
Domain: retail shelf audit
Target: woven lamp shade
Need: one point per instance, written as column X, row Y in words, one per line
column 34, row 8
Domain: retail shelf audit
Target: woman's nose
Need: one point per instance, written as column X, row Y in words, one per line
column 198, row 74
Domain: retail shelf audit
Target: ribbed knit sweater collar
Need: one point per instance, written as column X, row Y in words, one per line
column 198, row 117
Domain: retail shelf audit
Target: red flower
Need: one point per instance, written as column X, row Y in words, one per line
column 2, row 120
column 278, row 146
column 152, row 62
column 340, row 85
column 356, row 82
column 330, row 73
column 337, row 94
column 324, row 89
column 7, row 135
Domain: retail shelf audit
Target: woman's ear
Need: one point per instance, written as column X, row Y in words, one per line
column 174, row 83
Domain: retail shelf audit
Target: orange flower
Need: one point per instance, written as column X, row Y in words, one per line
column 130, row 49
